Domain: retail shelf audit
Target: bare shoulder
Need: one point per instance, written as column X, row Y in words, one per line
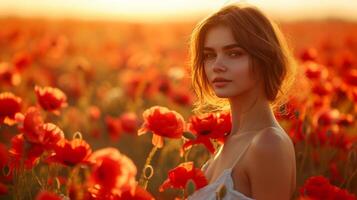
column 272, row 144
column 271, row 165
column 271, row 139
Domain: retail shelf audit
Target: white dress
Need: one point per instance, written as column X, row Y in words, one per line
column 210, row 191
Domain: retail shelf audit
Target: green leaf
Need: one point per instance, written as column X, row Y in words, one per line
column 189, row 135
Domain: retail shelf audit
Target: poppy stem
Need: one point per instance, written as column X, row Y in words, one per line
column 350, row 178
column 303, row 157
column 19, row 180
column 144, row 177
column 187, row 153
column 183, row 193
column 350, row 162
column 72, row 173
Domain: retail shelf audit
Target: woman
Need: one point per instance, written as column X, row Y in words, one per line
column 240, row 61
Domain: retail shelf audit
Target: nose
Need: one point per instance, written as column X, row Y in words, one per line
column 219, row 66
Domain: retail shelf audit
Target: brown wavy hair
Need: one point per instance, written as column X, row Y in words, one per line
column 261, row 38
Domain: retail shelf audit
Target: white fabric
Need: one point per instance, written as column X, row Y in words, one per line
column 208, row 192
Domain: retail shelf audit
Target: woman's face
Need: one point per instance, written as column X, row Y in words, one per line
column 226, row 64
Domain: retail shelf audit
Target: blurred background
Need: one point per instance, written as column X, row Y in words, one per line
column 115, row 59
column 172, row 10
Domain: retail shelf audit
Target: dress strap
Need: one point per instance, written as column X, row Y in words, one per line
column 208, row 162
column 246, row 148
column 241, row 155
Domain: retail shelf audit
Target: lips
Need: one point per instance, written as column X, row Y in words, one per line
column 220, row 80
column 220, row 84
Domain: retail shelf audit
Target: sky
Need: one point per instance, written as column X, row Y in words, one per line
column 176, row 10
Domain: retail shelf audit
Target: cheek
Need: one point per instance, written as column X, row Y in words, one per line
column 243, row 75
column 242, row 70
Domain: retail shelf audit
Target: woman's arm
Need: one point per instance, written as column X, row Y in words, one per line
column 270, row 171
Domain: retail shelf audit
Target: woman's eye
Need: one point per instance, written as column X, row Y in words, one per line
column 234, row 53
column 208, row 56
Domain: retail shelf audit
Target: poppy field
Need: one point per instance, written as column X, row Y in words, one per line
column 103, row 110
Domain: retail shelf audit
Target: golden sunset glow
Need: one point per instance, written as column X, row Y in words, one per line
column 178, row 10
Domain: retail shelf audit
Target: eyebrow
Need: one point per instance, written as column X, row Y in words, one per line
column 226, row 47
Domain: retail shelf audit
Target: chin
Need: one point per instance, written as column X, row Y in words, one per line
column 223, row 95
column 228, row 94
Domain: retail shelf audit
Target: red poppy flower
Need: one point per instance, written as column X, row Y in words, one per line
column 112, row 173
column 130, row 122
column 163, row 123
column 31, row 124
column 328, row 117
column 224, row 125
column 351, row 77
column 9, row 76
column 352, row 94
column 51, row 134
column 94, row 113
column 323, row 89
column 344, row 57
column 181, row 96
column 9, row 106
column 36, row 131
column 319, row 187
column 346, row 120
column 46, row 195
column 294, row 109
column 319, row 104
column 315, row 71
column 179, row 177
column 114, row 127
column 342, row 194
column 296, row 131
column 308, row 54
column 22, row 60
column 51, row 99
column 164, row 85
column 206, row 127
column 22, row 151
column 71, row 153
column 3, row 189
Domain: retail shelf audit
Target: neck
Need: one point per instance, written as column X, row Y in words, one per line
column 250, row 112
